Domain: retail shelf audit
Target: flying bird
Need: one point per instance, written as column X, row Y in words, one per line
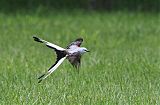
column 72, row 52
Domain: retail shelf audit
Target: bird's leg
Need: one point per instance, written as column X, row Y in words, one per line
column 77, row 68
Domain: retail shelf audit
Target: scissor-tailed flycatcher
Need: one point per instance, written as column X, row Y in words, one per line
column 73, row 53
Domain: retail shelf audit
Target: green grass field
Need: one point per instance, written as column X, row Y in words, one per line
column 123, row 67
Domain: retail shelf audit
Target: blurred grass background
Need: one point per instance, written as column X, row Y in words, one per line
column 123, row 66
column 109, row 5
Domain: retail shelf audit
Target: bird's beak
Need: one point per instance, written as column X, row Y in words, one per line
column 88, row 51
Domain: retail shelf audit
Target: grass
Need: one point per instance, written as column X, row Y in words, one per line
column 122, row 68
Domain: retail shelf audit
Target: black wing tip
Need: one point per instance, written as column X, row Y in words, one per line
column 79, row 39
column 37, row 39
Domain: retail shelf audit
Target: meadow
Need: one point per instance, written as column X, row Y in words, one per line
column 122, row 68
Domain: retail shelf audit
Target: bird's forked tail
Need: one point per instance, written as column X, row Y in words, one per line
column 44, row 76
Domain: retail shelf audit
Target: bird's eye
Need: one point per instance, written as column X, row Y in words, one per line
column 86, row 51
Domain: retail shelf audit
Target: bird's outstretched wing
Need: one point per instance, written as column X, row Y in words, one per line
column 77, row 43
column 51, row 69
column 48, row 44
column 75, row 59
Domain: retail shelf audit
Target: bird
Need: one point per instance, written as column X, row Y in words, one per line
column 72, row 52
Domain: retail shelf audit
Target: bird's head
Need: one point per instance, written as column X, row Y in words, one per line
column 83, row 50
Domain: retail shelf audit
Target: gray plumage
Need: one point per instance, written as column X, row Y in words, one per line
column 73, row 53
